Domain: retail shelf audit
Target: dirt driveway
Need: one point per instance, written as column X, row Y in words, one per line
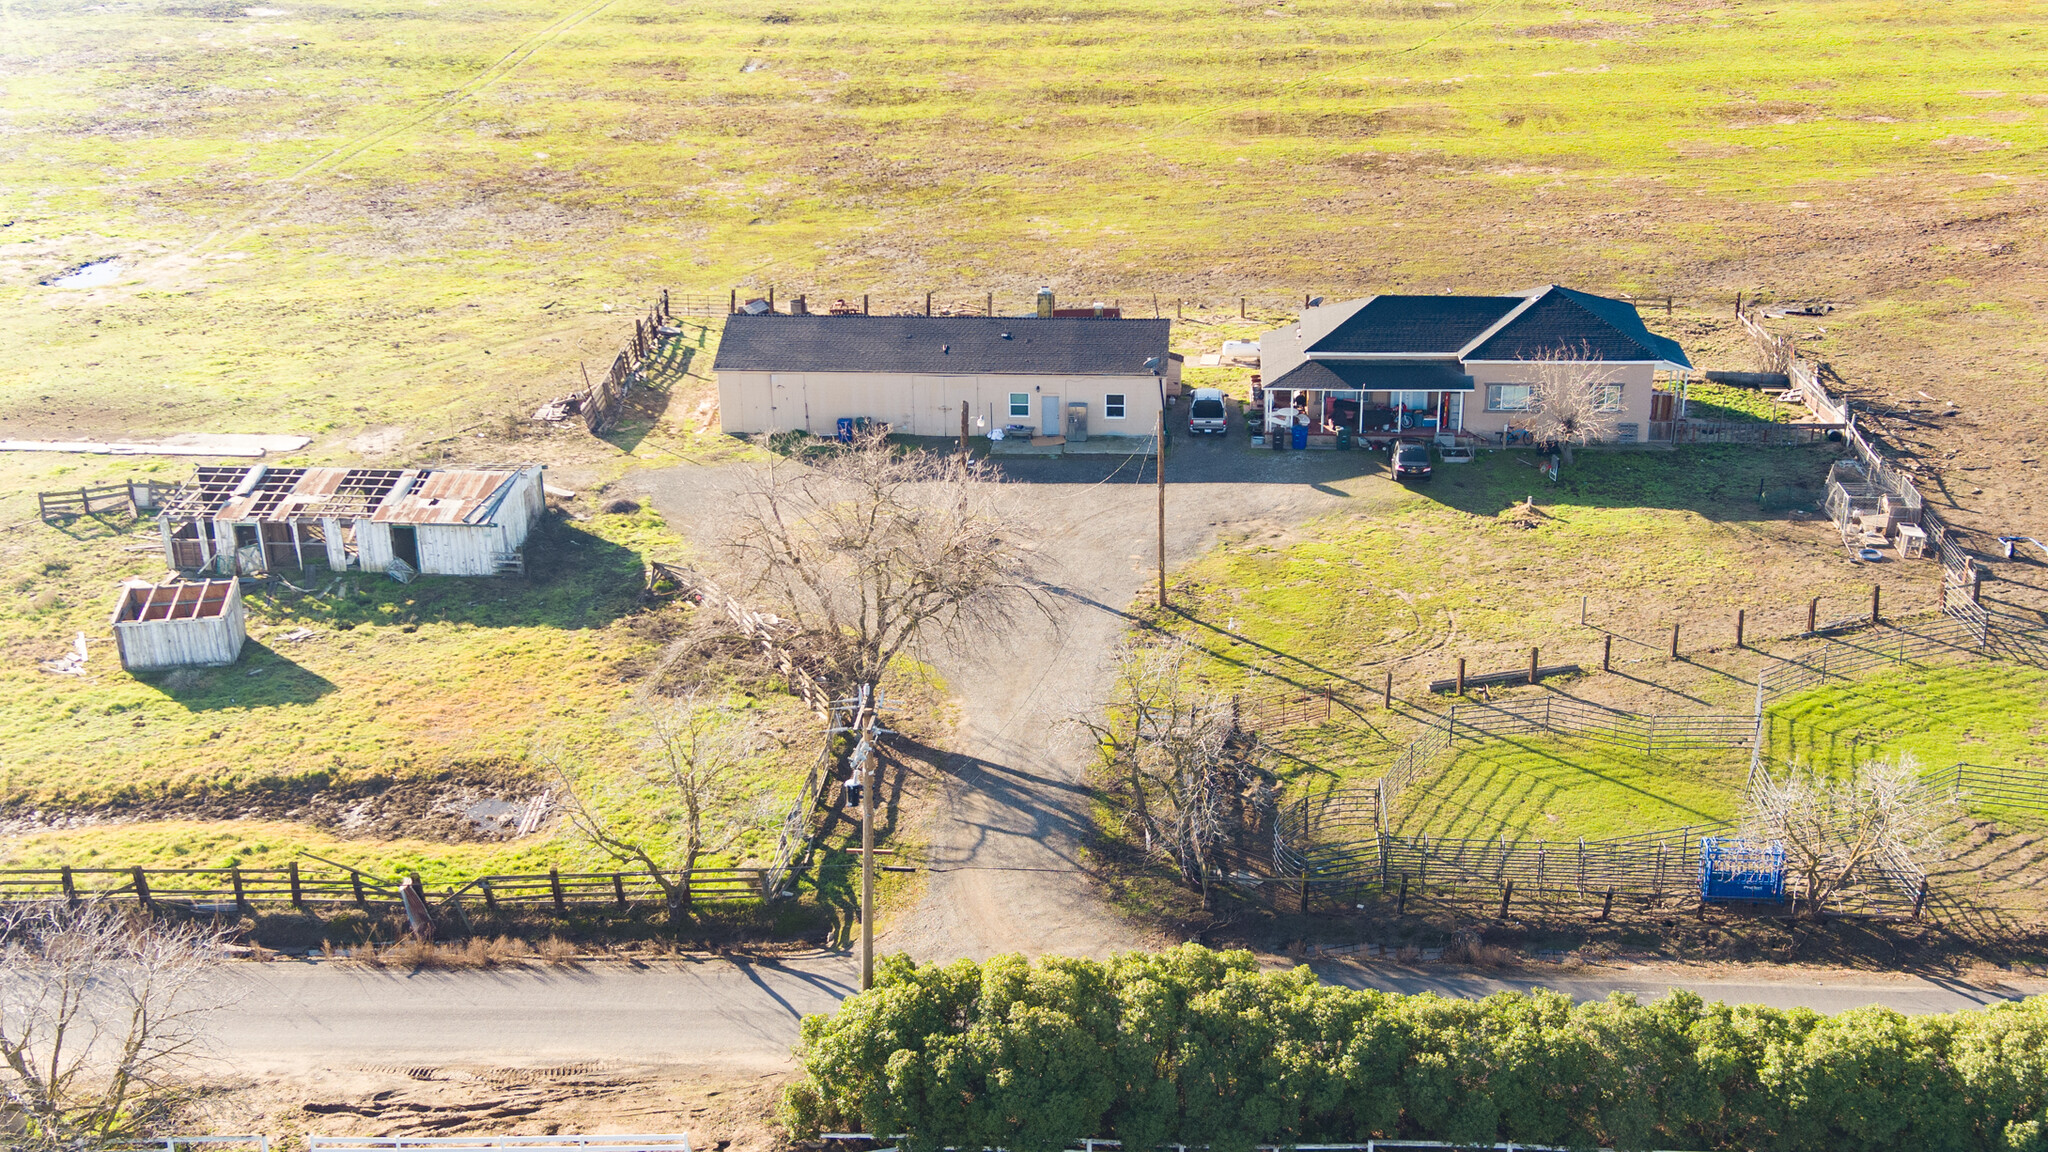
column 1007, row 872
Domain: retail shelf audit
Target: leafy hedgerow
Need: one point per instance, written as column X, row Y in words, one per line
column 1192, row 1046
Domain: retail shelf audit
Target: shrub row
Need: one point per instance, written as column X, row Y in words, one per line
column 1199, row 1047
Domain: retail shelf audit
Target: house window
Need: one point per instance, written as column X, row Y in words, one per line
column 1510, row 397
column 1113, row 406
column 1610, row 397
column 1020, row 404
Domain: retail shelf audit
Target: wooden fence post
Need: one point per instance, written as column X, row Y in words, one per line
column 1387, row 693
column 1507, row 893
column 355, row 880
column 70, row 887
column 1740, row 615
column 927, row 304
column 555, row 885
column 490, row 897
column 1532, row 665
column 735, row 305
column 1875, row 591
column 1674, row 640
column 1401, row 901
column 1461, row 675
column 1240, row 308
column 291, row 872
column 1607, row 654
column 1813, row 616
column 241, row 896
column 1607, row 904
column 1920, row 898
column 142, row 889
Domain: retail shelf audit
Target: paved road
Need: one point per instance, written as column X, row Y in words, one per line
column 742, row 1015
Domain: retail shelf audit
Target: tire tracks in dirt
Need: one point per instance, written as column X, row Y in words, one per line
column 335, row 157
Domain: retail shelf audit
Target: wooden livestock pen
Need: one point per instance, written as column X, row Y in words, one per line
column 195, row 625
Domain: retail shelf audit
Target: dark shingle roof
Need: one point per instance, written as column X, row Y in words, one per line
column 1417, row 325
column 1376, row 376
column 1562, row 318
column 1083, row 346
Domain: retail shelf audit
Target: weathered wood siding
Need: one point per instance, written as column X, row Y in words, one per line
column 186, row 642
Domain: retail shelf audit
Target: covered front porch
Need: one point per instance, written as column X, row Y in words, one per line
column 1323, row 402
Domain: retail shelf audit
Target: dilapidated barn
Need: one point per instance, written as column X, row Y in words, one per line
column 251, row 519
column 197, row 625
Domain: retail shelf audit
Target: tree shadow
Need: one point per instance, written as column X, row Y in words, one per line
column 262, row 678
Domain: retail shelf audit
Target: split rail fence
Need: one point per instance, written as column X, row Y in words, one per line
column 133, row 496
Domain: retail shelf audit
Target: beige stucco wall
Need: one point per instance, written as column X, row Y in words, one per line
column 750, row 402
column 1635, row 381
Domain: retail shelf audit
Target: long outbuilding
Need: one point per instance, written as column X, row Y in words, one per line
column 253, row 519
column 1030, row 375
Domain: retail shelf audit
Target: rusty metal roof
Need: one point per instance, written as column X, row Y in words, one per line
column 444, row 498
column 388, row 495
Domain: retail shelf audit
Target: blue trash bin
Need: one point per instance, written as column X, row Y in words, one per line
column 846, row 429
column 1300, row 438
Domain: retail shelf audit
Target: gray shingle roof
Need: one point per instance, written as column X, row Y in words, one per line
column 1564, row 319
column 1416, row 325
column 1376, row 376
column 1079, row 346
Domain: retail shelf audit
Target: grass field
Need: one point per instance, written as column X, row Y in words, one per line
column 1450, row 570
column 396, row 226
column 1993, row 714
column 1560, row 788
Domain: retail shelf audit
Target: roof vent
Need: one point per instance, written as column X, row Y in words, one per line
column 946, row 348
column 1006, row 335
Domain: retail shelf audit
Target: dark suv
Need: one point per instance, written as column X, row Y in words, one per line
column 1411, row 460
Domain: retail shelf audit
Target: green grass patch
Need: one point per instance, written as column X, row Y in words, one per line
column 1558, row 788
column 1403, row 573
column 1704, row 401
column 1980, row 712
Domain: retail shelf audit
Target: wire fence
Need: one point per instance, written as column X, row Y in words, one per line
column 243, row 890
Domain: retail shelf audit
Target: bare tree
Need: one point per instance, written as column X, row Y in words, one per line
column 101, row 1013
column 873, row 552
column 1837, row 829
column 1179, row 766
column 681, row 801
column 1577, row 399
column 1772, row 353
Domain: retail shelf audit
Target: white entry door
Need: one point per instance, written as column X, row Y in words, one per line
column 1049, row 415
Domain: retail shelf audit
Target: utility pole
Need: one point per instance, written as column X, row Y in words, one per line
column 863, row 749
column 1159, row 471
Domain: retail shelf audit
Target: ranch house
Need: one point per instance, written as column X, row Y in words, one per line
column 1027, row 375
column 252, row 519
column 1455, row 368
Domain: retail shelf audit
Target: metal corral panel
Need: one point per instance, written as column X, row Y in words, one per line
column 198, row 625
